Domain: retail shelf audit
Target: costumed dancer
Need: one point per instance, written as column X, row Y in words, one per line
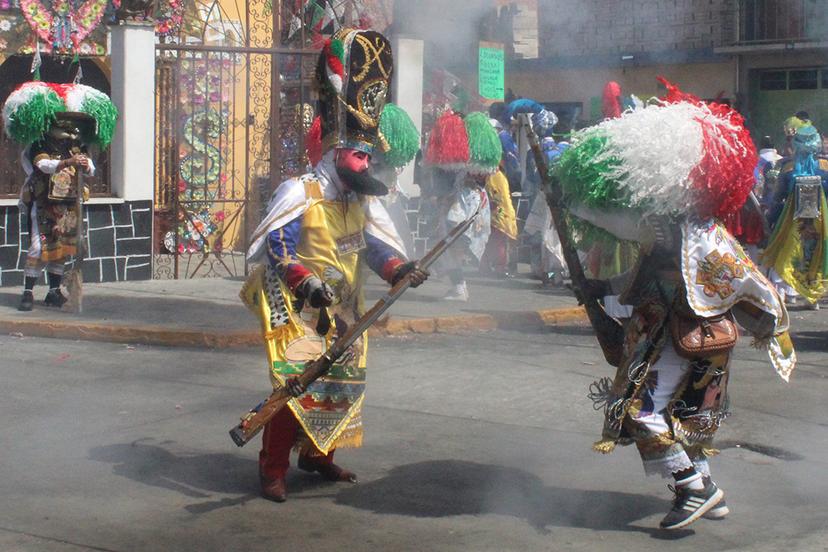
column 55, row 123
column 398, row 144
column 495, row 259
column 662, row 176
column 797, row 252
column 320, row 230
column 465, row 152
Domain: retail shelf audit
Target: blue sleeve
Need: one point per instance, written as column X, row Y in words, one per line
column 378, row 253
column 281, row 243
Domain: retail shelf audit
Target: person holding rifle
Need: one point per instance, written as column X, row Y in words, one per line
column 320, row 230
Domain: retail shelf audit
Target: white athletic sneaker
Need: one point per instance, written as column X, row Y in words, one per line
column 689, row 505
column 458, row 292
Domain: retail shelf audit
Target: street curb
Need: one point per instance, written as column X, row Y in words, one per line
column 213, row 339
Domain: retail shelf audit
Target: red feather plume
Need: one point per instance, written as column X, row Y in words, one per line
column 448, row 144
column 724, row 178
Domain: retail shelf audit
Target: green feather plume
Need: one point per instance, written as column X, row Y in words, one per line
column 585, row 174
column 485, row 149
column 32, row 119
column 105, row 114
column 399, row 136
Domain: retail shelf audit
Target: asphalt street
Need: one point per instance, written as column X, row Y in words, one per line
column 475, row 442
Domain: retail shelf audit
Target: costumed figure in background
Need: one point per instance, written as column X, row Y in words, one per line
column 464, row 153
column 510, row 165
column 547, row 260
column 495, row 259
column 663, row 176
column 767, row 173
column 56, row 123
column 797, row 252
column 320, row 231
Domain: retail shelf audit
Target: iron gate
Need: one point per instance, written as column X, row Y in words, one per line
column 230, row 120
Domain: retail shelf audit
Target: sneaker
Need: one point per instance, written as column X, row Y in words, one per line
column 27, row 301
column 690, row 505
column 457, row 293
column 720, row 510
column 54, row 298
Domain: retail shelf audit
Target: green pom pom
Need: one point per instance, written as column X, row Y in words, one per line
column 32, row 119
column 338, row 49
column 586, row 174
column 105, row 114
column 399, row 135
column 485, row 149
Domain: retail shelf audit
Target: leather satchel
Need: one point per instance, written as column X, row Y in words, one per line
column 697, row 337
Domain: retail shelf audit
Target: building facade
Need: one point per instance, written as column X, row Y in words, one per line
column 765, row 57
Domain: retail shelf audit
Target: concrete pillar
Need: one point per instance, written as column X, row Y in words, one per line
column 132, row 50
column 408, row 94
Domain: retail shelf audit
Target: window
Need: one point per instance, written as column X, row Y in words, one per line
column 804, row 80
column 824, row 78
column 773, row 80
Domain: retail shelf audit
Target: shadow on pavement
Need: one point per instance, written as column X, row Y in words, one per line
column 198, row 476
column 453, row 488
column 192, row 475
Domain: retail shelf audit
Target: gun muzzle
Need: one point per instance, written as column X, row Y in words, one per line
column 239, row 436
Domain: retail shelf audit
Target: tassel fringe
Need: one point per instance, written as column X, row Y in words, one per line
column 604, row 446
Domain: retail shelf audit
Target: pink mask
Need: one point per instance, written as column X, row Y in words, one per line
column 351, row 159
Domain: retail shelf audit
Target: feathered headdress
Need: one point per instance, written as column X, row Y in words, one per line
column 677, row 156
column 31, row 109
column 485, row 149
column 448, row 143
column 399, row 138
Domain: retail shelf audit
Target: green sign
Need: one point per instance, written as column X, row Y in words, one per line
column 491, row 73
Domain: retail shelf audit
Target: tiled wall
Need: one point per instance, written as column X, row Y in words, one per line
column 119, row 244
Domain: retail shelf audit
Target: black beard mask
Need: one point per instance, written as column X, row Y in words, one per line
column 362, row 182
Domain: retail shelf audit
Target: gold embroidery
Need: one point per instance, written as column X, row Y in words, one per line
column 372, row 54
column 717, row 271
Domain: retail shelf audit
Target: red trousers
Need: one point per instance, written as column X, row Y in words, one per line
column 496, row 256
column 278, row 438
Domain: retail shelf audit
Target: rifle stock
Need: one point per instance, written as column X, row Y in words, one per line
column 253, row 422
column 607, row 330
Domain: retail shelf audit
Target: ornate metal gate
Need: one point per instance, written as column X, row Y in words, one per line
column 230, row 103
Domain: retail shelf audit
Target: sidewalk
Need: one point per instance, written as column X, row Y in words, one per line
column 208, row 312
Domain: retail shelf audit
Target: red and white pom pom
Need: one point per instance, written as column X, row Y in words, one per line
column 333, row 65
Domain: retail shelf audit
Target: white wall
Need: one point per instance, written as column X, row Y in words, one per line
column 133, row 92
